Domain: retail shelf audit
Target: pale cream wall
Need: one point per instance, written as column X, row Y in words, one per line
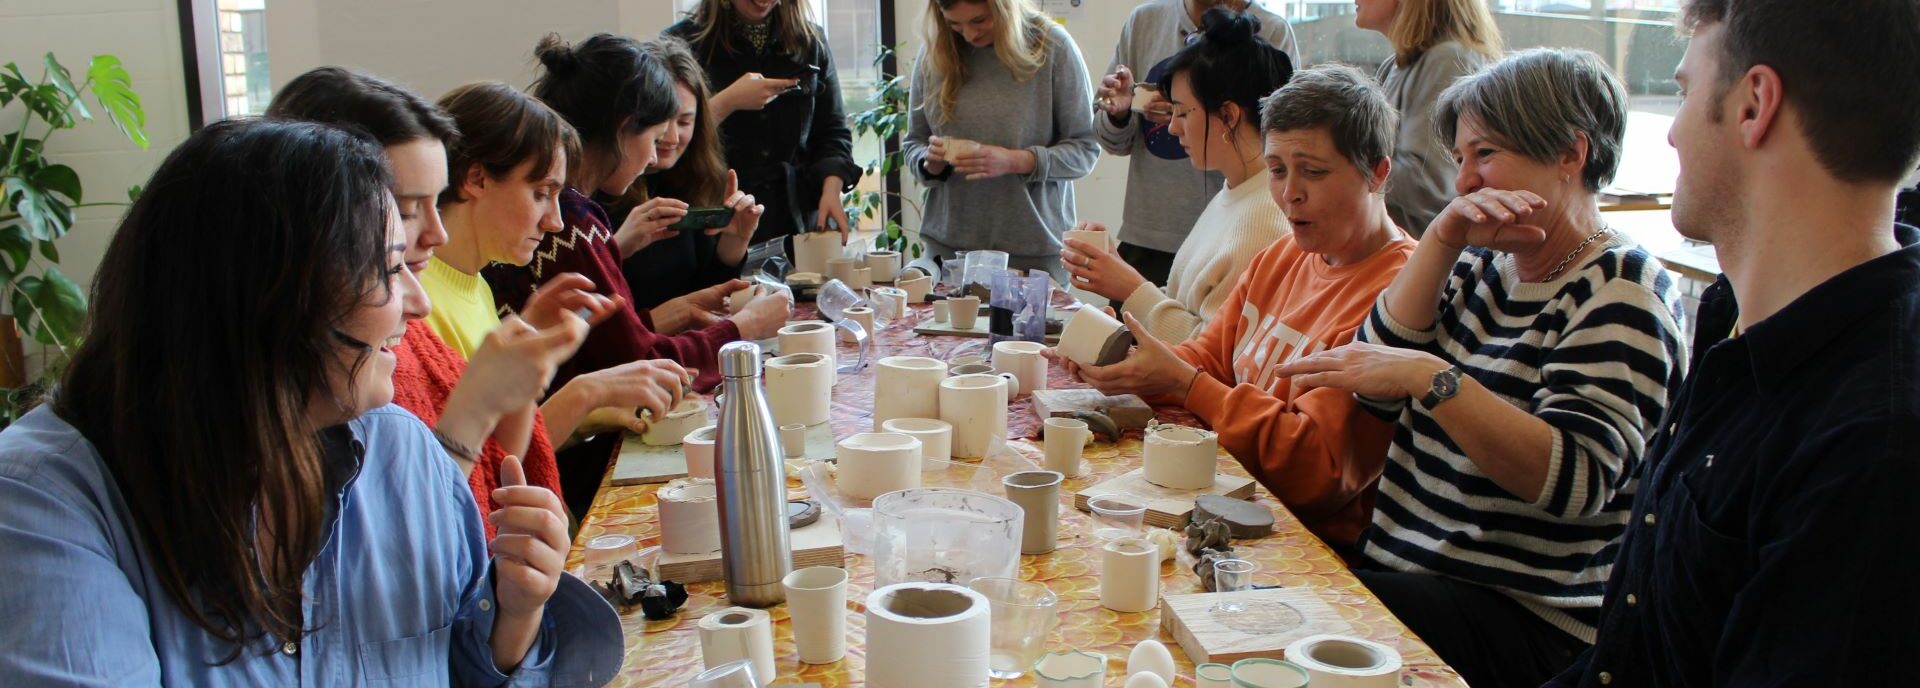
column 145, row 35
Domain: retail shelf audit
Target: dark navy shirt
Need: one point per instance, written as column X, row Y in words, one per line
column 1772, row 542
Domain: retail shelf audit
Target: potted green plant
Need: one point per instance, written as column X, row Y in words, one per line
column 40, row 199
column 885, row 119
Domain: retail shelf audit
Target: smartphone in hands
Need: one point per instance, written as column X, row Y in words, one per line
column 701, row 219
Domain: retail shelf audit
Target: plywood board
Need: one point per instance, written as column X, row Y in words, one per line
column 815, row 545
column 1128, row 411
column 1166, row 508
column 640, row 463
column 1268, row 621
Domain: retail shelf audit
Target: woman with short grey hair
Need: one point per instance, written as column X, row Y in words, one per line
column 1526, row 352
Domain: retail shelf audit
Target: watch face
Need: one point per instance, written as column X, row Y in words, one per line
column 1446, row 383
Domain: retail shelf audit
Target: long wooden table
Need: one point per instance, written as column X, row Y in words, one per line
column 667, row 653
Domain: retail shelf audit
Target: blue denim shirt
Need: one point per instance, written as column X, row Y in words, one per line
column 401, row 594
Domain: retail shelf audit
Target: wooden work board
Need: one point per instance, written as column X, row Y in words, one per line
column 1129, row 412
column 1269, row 620
column 979, row 329
column 1166, row 507
column 640, row 463
column 818, row 544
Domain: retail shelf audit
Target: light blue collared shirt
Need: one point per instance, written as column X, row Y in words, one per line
column 401, row 594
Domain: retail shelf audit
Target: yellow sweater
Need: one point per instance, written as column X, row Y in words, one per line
column 463, row 311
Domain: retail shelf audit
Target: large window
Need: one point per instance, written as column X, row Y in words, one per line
column 1635, row 37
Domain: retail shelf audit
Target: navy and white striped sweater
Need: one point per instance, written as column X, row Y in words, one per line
column 1596, row 354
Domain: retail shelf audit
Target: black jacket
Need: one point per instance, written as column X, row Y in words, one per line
column 784, row 151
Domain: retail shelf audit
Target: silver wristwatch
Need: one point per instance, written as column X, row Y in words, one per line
column 1446, row 383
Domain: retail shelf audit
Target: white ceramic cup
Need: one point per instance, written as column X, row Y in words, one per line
column 942, row 311
column 1179, row 457
column 976, row 405
column 917, row 288
column 793, row 440
column 812, row 250
column 1100, row 239
column 842, row 269
column 957, row 147
column 1025, row 360
column 799, row 388
column 859, row 314
column 965, row 310
column 935, row 435
column 817, row 607
column 1065, row 443
column 807, row 337
column 1087, row 336
column 860, row 277
column 884, row 264
column 1130, row 575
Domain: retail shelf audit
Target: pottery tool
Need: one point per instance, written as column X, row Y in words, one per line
column 1166, row 508
column 928, row 635
column 1117, row 414
column 1269, row 620
column 736, row 633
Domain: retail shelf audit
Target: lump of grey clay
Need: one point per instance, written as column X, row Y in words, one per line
column 1244, row 519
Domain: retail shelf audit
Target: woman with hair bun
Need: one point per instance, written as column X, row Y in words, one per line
column 1215, row 86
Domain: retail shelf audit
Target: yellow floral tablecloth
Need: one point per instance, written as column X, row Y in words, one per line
column 667, row 653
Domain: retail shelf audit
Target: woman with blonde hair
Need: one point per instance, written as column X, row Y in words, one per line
column 1007, row 83
column 1434, row 43
column 777, row 99
column 690, row 171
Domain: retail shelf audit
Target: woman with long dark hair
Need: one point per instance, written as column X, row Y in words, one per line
column 690, row 169
column 777, row 98
column 220, row 492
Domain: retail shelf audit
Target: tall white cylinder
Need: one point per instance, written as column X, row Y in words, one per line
column 907, row 387
column 976, row 405
column 800, row 388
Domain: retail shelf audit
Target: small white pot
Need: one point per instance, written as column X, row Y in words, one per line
column 1130, row 575
column 884, row 264
column 1025, row 360
column 1092, row 337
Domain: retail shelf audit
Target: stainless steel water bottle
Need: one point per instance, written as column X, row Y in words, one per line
column 754, row 548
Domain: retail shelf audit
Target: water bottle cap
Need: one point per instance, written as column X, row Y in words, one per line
column 740, row 359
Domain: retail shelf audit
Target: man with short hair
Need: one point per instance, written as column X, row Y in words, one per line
column 1771, row 541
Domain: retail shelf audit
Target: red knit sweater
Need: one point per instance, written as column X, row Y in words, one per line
column 423, row 378
column 587, row 247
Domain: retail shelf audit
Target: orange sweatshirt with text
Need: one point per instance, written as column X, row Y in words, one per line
column 1318, row 451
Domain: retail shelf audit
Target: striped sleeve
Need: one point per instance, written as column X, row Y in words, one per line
column 1605, row 387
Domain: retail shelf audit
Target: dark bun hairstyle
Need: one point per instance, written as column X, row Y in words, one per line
column 1229, row 63
column 602, row 82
